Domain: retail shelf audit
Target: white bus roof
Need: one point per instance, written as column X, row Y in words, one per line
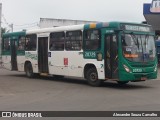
column 56, row 29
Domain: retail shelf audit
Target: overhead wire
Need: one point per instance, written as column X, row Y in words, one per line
column 20, row 26
column 5, row 22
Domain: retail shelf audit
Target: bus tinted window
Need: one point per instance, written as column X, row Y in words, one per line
column 21, row 43
column 73, row 40
column 31, row 42
column 92, row 39
column 57, row 41
column 6, row 44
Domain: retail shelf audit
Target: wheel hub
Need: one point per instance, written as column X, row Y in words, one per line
column 93, row 77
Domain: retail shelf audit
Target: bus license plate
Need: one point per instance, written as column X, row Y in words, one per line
column 143, row 78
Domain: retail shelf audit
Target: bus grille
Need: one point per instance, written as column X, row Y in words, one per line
column 143, row 65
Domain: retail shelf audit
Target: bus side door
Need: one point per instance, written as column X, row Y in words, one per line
column 43, row 55
column 111, row 56
column 14, row 54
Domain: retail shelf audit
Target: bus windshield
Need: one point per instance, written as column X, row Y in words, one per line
column 138, row 48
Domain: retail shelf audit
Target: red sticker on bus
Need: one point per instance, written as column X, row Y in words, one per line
column 65, row 61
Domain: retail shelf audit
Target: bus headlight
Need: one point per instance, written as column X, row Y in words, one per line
column 126, row 68
column 155, row 69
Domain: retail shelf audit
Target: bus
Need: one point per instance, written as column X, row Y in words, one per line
column 158, row 50
column 96, row 52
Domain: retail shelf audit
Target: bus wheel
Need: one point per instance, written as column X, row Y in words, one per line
column 29, row 70
column 122, row 82
column 92, row 77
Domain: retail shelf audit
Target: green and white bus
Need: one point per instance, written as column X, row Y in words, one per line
column 97, row 52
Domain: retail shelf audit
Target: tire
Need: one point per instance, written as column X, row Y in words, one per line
column 29, row 70
column 122, row 82
column 92, row 77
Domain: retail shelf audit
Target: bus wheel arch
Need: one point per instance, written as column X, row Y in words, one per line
column 28, row 69
column 91, row 75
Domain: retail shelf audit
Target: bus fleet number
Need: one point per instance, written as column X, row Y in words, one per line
column 90, row 54
column 137, row 70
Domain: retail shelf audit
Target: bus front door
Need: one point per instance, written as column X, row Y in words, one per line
column 111, row 56
column 43, row 54
column 14, row 54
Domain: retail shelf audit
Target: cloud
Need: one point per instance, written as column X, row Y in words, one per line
column 28, row 11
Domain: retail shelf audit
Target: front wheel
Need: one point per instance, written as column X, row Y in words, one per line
column 92, row 77
column 29, row 70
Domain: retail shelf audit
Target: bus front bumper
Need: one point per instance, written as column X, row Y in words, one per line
column 133, row 77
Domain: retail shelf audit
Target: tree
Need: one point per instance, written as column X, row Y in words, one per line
column 3, row 30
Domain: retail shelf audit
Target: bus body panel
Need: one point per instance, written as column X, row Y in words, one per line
column 32, row 57
column 6, row 62
column 137, row 73
column 20, row 63
column 72, row 63
column 99, row 67
column 75, row 63
column 56, row 63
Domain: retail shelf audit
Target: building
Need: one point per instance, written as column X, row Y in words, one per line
column 151, row 12
column 50, row 22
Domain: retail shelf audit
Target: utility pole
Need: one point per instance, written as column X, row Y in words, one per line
column 0, row 32
column 11, row 26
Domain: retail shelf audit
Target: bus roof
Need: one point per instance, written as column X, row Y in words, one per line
column 14, row 34
column 115, row 25
column 112, row 25
column 56, row 29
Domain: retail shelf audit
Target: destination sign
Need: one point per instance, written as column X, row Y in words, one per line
column 136, row 28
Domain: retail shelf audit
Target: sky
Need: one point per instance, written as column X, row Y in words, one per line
column 26, row 14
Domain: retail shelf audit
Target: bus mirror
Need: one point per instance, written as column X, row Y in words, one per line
column 156, row 37
column 99, row 56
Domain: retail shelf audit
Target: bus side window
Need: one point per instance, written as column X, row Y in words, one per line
column 57, row 41
column 73, row 40
column 6, row 44
column 92, row 40
column 31, row 42
column 21, row 43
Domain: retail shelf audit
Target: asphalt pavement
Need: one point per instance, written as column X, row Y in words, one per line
column 19, row 93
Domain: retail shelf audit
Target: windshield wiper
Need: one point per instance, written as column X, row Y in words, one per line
column 146, row 40
column 135, row 39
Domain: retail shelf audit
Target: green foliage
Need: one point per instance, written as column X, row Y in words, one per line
column 3, row 30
